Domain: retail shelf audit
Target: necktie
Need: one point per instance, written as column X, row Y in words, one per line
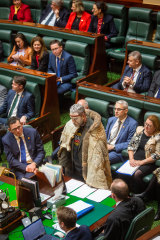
column 13, row 106
column 132, row 76
column 158, row 94
column 114, row 134
column 58, row 70
column 49, row 19
column 23, row 151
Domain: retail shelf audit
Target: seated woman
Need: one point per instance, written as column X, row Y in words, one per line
column 21, row 53
column 152, row 190
column 78, row 19
column 143, row 150
column 40, row 55
column 20, row 12
column 102, row 23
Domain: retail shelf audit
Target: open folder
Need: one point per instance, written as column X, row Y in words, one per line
column 81, row 207
column 126, row 168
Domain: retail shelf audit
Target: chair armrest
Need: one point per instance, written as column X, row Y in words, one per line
column 115, row 166
column 157, row 163
column 125, row 153
column 117, row 40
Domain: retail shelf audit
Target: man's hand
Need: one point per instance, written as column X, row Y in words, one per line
column 31, row 167
column 110, row 147
column 58, row 79
column 56, row 12
column 127, row 81
column 23, row 120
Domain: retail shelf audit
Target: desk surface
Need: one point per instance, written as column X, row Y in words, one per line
column 102, row 209
column 150, row 235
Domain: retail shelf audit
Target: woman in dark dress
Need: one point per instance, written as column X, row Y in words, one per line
column 102, row 23
column 143, row 150
column 40, row 55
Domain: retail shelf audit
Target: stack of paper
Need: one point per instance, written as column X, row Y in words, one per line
column 83, row 191
column 52, row 173
column 73, row 184
column 81, row 207
column 99, row 195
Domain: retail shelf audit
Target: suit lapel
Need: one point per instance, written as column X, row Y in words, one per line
column 62, row 62
column 27, row 139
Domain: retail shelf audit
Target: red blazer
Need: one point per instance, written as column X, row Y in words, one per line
column 84, row 22
column 23, row 14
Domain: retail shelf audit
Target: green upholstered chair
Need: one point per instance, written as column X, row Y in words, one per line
column 34, row 89
column 147, row 114
column 5, row 37
column 119, row 13
column 5, row 3
column 6, row 81
column 100, row 107
column 29, row 36
column 139, row 27
column 4, row 13
column 36, row 7
column 88, row 6
column 157, row 35
column 140, row 224
column 81, row 55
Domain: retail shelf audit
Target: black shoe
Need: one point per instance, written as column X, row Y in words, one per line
column 157, row 216
column 143, row 196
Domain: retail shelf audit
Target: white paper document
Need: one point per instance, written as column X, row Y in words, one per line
column 99, row 195
column 83, row 191
column 57, row 227
column 44, row 197
column 126, row 168
column 73, row 184
column 79, row 206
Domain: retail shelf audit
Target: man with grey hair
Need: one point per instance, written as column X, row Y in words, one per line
column 83, row 148
column 119, row 131
column 55, row 14
column 136, row 77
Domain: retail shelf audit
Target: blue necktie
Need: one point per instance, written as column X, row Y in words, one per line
column 58, row 70
column 158, row 94
column 23, row 151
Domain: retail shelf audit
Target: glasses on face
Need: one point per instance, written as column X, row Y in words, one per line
column 15, row 129
column 54, row 49
column 119, row 109
column 147, row 125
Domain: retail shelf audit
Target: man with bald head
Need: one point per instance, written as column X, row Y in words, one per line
column 127, row 208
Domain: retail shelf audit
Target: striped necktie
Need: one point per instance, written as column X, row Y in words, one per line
column 158, row 94
column 50, row 18
column 115, row 132
column 13, row 105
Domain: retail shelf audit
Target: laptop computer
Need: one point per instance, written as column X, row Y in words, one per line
column 36, row 231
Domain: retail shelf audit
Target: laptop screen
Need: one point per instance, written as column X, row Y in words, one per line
column 34, row 230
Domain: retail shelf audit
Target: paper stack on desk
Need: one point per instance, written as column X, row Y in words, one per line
column 126, row 168
column 81, row 207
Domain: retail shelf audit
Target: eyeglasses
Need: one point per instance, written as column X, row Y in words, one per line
column 119, row 109
column 147, row 125
column 17, row 128
column 54, row 49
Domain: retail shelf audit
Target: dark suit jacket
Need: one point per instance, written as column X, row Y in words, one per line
column 26, row 106
column 119, row 220
column 34, row 146
column 127, row 131
column 143, row 80
column 81, row 233
column 108, row 27
column 63, row 14
column 23, row 14
column 43, row 63
column 67, row 65
column 155, row 84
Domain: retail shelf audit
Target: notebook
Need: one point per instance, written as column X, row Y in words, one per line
column 36, row 231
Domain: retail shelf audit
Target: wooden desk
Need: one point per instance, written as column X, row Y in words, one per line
column 155, row 232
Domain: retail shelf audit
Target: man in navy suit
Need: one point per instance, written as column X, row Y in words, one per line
column 119, row 131
column 137, row 77
column 23, row 148
column 154, row 90
column 67, row 218
column 55, row 14
column 63, row 64
column 18, row 103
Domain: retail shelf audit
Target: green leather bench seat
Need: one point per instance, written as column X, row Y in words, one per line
column 29, row 36
column 152, row 106
column 4, row 13
column 35, row 7
column 110, row 97
column 5, row 37
column 115, row 166
column 5, row 3
column 88, row 6
column 6, row 81
column 147, row 114
column 31, row 78
column 100, row 107
column 47, row 41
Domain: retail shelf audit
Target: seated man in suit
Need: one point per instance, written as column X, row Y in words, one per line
column 137, row 77
column 55, row 14
column 119, row 220
column 119, row 131
column 63, row 64
column 23, row 148
column 83, row 148
column 154, row 90
column 67, row 218
column 18, row 103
